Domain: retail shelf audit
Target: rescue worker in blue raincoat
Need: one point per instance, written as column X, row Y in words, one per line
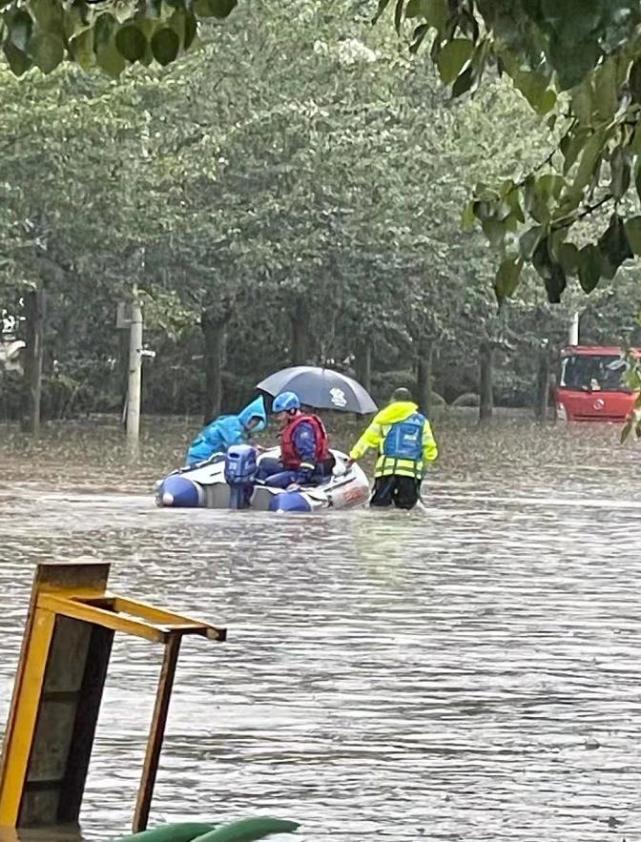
column 405, row 444
column 219, row 435
column 305, row 456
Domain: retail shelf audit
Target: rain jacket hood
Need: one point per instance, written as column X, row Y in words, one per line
column 396, row 412
column 256, row 409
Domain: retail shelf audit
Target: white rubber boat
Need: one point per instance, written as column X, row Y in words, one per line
column 228, row 482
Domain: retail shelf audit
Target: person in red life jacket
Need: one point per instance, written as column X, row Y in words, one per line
column 305, row 458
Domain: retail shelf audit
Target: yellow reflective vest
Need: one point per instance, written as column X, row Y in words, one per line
column 376, row 433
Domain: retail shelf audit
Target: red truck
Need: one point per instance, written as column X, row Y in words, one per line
column 589, row 386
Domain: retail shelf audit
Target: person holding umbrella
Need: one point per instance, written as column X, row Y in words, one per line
column 305, row 458
column 405, row 444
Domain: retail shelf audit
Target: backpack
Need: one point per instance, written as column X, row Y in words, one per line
column 405, row 439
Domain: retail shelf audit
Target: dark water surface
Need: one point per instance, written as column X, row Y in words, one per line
column 470, row 672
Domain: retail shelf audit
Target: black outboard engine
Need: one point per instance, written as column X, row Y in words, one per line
column 240, row 473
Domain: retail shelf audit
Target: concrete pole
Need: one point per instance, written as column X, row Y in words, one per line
column 574, row 329
column 134, row 382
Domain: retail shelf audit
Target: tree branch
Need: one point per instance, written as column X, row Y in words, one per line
column 570, row 219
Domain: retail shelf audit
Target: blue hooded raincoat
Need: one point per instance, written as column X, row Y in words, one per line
column 225, row 431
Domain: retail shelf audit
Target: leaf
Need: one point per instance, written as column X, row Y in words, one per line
column 634, row 80
column 614, row 247
column 620, row 173
column 550, row 185
column 536, row 200
column 463, row 83
column 468, row 218
column 529, row 241
column 382, row 5
column 222, row 8
column 606, row 95
column 48, row 14
column 507, row 277
column 573, row 60
column 589, row 267
column 81, row 48
column 495, row 231
column 582, row 104
column 18, row 61
column 248, row 830
column 414, row 9
column 110, row 60
column 103, row 29
column 635, row 143
column 568, row 255
column 633, row 233
column 573, row 147
column 534, row 88
column 573, row 19
column 550, row 270
column 398, row 16
column 627, row 429
column 191, row 29
column 555, row 283
column 165, row 45
column 452, row 58
column 47, row 51
column 434, row 12
column 592, row 152
column 20, row 29
column 131, row 42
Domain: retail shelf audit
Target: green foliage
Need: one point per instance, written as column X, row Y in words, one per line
column 579, row 66
column 632, row 379
column 316, row 181
column 43, row 33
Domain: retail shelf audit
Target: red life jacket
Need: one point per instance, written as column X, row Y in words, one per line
column 289, row 457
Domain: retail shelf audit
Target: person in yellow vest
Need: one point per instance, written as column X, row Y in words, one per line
column 405, row 444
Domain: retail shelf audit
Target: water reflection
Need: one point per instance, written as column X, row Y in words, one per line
column 464, row 672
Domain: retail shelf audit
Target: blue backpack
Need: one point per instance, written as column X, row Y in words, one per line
column 405, row 439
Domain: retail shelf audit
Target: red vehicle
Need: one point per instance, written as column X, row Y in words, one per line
column 590, row 388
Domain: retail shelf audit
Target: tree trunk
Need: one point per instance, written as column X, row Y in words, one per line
column 486, row 395
column 543, row 385
column 214, row 330
column 299, row 318
column 424, row 375
column 364, row 364
column 35, row 314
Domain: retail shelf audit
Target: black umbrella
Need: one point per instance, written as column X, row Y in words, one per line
column 320, row 388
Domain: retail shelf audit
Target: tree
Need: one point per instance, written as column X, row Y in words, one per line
column 579, row 66
column 321, row 168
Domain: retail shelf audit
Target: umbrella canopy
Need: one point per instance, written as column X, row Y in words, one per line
column 320, row 388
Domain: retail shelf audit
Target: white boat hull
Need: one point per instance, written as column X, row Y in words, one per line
column 204, row 486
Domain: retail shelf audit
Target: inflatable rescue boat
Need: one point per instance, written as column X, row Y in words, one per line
column 228, row 481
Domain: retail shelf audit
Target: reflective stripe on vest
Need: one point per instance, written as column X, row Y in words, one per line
column 289, row 456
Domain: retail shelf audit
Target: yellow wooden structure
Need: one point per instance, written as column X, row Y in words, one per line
column 61, row 674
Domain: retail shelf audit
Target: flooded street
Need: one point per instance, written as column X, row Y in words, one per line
column 469, row 672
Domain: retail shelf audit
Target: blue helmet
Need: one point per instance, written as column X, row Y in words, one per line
column 286, row 402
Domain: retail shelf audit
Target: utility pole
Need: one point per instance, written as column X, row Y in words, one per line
column 134, row 381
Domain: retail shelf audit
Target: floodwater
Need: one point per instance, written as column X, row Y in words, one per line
column 469, row 672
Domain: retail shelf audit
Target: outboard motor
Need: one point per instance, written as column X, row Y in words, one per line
column 240, row 473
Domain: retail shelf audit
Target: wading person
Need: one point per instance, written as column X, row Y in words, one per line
column 405, row 444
